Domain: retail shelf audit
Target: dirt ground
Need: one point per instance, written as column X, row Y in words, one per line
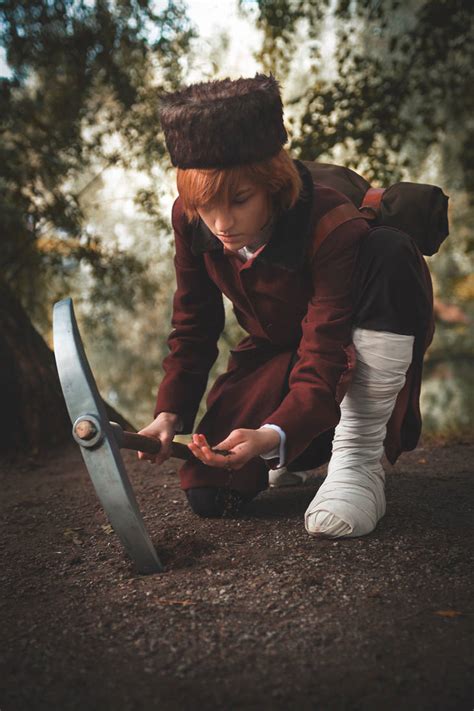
column 251, row 613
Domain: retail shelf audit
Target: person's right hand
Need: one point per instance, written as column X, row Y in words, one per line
column 163, row 429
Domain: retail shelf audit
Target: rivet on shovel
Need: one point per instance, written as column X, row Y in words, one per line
column 87, row 431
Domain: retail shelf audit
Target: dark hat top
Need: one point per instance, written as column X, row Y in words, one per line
column 222, row 123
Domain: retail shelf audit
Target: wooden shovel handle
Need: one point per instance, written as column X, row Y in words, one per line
column 153, row 446
column 140, row 443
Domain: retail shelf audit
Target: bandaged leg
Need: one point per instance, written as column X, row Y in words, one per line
column 351, row 500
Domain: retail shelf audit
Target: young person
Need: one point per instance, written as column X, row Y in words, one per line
column 335, row 318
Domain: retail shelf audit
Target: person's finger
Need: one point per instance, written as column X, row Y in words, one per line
column 196, row 440
column 196, row 451
column 206, row 456
column 201, row 441
column 205, row 452
column 233, row 439
column 237, row 457
column 164, row 453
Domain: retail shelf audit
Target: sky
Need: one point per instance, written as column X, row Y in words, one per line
column 4, row 70
column 214, row 19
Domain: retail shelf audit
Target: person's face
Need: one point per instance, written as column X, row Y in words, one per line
column 237, row 223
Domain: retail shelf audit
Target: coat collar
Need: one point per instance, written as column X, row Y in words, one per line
column 290, row 235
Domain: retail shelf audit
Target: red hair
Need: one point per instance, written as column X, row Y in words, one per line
column 278, row 175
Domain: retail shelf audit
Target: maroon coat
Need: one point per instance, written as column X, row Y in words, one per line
column 295, row 365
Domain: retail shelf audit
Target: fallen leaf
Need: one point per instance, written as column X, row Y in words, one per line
column 71, row 534
column 422, row 461
column 107, row 528
column 448, row 613
column 184, row 603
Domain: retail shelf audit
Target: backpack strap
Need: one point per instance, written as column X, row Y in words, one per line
column 331, row 221
column 371, row 202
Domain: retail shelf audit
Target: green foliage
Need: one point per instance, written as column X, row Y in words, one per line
column 402, row 80
column 82, row 73
column 281, row 22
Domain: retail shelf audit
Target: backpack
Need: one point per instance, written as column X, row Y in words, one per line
column 417, row 209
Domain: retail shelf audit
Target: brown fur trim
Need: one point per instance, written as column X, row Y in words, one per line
column 222, row 123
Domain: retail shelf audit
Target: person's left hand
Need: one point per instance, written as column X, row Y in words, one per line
column 241, row 444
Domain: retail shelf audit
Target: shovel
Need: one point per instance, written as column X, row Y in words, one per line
column 100, row 441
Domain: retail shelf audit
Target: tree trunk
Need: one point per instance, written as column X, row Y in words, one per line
column 33, row 415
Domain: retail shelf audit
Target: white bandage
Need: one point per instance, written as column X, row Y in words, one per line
column 351, row 500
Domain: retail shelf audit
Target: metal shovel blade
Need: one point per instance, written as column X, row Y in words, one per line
column 101, row 453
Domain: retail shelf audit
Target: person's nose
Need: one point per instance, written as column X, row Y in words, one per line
column 223, row 221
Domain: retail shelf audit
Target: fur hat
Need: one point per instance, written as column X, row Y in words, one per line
column 222, row 123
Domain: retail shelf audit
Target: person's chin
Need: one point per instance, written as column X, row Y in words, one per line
column 233, row 243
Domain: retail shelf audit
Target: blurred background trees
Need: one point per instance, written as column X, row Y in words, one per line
column 80, row 98
column 382, row 86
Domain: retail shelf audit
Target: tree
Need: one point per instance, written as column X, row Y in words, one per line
column 400, row 83
column 82, row 73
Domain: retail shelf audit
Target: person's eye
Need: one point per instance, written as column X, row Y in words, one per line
column 241, row 200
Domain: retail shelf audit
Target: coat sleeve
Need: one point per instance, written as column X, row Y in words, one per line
column 326, row 357
column 198, row 319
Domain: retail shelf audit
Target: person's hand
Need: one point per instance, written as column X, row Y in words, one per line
column 242, row 445
column 163, row 429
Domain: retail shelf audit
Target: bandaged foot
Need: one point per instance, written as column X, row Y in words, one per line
column 351, row 500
